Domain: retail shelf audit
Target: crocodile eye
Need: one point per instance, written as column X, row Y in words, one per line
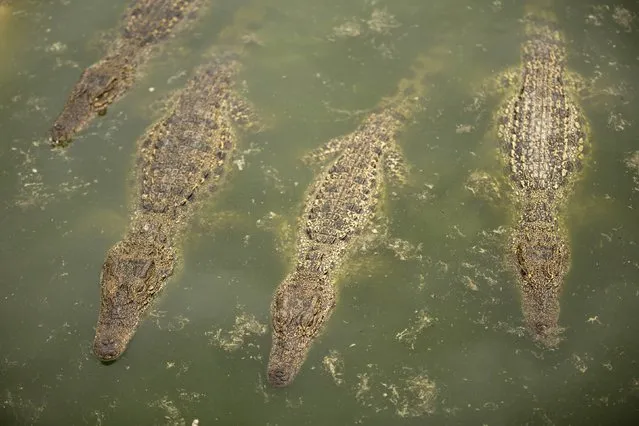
column 139, row 286
column 109, row 265
column 109, row 86
column 521, row 261
column 279, row 320
column 280, row 309
column 315, row 302
column 145, row 273
column 307, row 319
column 102, row 95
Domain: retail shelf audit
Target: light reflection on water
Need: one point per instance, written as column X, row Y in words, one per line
column 426, row 329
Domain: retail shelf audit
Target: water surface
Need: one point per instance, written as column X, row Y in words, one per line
column 427, row 328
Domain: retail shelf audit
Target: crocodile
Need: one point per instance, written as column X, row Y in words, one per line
column 542, row 134
column 181, row 159
column 146, row 23
column 340, row 205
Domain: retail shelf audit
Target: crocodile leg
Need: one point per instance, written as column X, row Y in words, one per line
column 395, row 166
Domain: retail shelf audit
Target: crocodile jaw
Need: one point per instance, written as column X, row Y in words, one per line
column 128, row 283
column 118, row 319
column 288, row 353
column 301, row 307
column 542, row 260
column 74, row 118
column 113, row 336
column 100, row 85
column 541, row 316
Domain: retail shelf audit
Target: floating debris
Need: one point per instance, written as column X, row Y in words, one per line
column 617, row 122
column 410, row 334
column 334, row 364
column 57, row 47
column 240, row 163
column 351, row 28
column 363, row 389
column 463, row 128
column 623, row 17
column 414, row 396
column 580, row 362
column 245, row 326
column 176, row 323
column 172, row 415
column 405, row 250
column 483, row 185
column 416, row 399
column 24, row 409
column 382, row 22
column 632, row 162
column 33, row 192
column 379, row 25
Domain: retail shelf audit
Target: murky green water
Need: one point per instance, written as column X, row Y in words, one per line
column 426, row 332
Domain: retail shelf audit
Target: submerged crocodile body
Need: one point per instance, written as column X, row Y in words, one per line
column 180, row 159
column 146, row 23
column 340, row 205
column 542, row 133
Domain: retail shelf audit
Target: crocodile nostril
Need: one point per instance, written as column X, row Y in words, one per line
column 278, row 377
column 106, row 349
column 58, row 134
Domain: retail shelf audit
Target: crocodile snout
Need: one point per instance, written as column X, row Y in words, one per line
column 278, row 377
column 106, row 349
column 59, row 135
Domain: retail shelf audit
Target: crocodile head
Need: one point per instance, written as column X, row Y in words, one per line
column 98, row 87
column 128, row 284
column 299, row 311
column 542, row 261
